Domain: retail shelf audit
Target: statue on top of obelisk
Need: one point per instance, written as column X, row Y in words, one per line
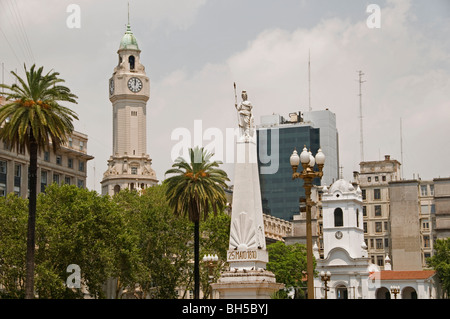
column 245, row 117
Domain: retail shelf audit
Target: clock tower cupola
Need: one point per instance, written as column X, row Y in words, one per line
column 129, row 90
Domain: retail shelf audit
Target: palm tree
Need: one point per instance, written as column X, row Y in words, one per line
column 196, row 189
column 34, row 119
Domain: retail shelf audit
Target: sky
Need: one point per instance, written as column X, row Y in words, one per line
column 194, row 50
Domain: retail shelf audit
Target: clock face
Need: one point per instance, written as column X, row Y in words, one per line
column 134, row 84
column 338, row 234
column 111, row 87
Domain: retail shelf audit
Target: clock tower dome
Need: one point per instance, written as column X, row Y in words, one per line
column 129, row 166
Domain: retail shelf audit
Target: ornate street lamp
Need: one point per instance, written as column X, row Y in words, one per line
column 308, row 174
column 395, row 290
column 210, row 262
column 325, row 277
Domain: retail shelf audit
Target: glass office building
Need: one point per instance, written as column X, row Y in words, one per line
column 277, row 138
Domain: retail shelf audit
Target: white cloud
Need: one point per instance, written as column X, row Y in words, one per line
column 404, row 72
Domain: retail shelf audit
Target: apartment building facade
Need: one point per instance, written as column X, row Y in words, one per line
column 68, row 165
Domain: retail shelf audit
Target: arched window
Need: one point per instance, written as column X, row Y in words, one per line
column 131, row 61
column 116, row 189
column 338, row 217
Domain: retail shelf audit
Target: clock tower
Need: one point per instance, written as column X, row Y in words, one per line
column 129, row 166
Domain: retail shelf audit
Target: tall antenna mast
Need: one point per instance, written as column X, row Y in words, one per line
column 309, row 80
column 401, row 147
column 361, row 116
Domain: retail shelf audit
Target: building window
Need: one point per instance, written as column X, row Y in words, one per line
column 363, row 193
column 369, row 179
column 81, row 166
column 386, row 242
column 133, row 113
column 56, row 178
column 380, row 261
column 383, row 178
column 423, row 190
column 67, row 180
column 364, row 211
column 81, row 146
column 70, row 162
column 80, row 183
column 425, row 224
column 3, row 175
column 426, row 241
column 379, row 243
column 43, row 180
column 70, row 142
column 376, row 178
column 59, row 159
column 338, row 217
column 46, row 156
column 134, row 170
column 378, row 210
column 365, row 227
column 378, row 227
column 431, row 190
column 376, row 193
column 116, row 189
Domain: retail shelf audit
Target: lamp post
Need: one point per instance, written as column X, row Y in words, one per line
column 325, row 276
column 395, row 290
column 210, row 262
column 308, row 174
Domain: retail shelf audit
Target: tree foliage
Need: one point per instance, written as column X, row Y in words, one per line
column 132, row 241
column 440, row 261
column 288, row 263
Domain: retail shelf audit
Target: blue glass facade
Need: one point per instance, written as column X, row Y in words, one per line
column 280, row 194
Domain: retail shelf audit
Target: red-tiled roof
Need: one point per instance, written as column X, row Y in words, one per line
column 403, row 274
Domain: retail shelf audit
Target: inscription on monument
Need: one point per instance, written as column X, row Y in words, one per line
column 236, row 255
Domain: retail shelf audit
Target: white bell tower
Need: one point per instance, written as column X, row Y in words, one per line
column 345, row 256
column 342, row 219
column 129, row 90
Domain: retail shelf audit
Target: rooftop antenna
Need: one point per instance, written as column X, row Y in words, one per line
column 360, row 73
column 401, row 148
column 309, row 80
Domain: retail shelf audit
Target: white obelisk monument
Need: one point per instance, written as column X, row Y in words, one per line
column 247, row 277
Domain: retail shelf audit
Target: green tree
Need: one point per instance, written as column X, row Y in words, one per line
column 215, row 234
column 164, row 241
column 79, row 226
column 440, row 262
column 33, row 119
column 13, row 221
column 288, row 263
column 196, row 188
